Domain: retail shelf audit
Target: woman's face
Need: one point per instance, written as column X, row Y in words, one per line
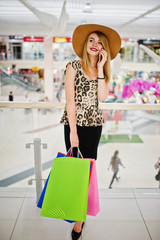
column 94, row 45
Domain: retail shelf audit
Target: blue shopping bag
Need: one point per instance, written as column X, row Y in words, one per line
column 40, row 202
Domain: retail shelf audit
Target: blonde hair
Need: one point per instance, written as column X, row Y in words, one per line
column 85, row 58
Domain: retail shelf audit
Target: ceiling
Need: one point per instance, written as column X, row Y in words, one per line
column 136, row 19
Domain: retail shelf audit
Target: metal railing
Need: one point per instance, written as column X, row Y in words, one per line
column 109, row 106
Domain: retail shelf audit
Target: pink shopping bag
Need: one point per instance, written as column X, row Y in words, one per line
column 93, row 197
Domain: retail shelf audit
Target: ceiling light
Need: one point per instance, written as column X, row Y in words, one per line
column 87, row 8
column 83, row 22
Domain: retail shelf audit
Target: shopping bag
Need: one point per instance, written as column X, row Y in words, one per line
column 66, row 194
column 93, row 206
column 40, row 201
column 69, row 153
column 93, row 197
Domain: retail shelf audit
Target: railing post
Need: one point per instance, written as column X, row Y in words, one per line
column 38, row 166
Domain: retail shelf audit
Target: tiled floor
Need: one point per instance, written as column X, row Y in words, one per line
column 126, row 214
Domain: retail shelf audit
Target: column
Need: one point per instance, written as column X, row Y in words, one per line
column 135, row 56
column 48, row 68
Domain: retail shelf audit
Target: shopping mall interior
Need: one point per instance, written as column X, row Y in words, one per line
column 35, row 46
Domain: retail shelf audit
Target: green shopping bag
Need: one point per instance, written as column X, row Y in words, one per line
column 66, row 195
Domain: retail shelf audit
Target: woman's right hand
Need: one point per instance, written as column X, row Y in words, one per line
column 74, row 139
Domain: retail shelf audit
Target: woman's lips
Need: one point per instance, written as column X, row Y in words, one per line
column 94, row 49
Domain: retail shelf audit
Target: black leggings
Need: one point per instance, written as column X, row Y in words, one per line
column 89, row 138
column 114, row 176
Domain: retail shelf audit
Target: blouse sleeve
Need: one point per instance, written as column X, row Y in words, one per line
column 73, row 64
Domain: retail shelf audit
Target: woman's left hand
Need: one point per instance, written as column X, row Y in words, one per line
column 102, row 58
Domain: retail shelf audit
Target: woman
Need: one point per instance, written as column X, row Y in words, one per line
column 115, row 162
column 86, row 83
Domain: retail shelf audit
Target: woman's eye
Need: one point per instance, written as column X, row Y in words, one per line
column 91, row 40
column 100, row 43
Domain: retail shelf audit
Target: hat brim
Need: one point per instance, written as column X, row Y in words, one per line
column 82, row 31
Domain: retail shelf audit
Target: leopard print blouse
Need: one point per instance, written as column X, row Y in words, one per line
column 86, row 99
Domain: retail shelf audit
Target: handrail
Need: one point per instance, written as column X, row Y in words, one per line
column 47, row 105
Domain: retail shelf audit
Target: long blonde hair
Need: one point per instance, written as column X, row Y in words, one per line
column 85, row 58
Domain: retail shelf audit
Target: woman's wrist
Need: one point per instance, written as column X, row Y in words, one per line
column 100, row 74
column 73, row 131
column 100, row 70
column 101, row 78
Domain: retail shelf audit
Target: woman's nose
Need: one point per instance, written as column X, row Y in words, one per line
column 95, row 44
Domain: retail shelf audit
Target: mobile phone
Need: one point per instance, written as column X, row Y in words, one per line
column 100, row 57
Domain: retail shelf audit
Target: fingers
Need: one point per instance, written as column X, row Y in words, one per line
column 104, row 54
column 74, row 144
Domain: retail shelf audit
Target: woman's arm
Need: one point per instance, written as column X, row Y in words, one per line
column 110, row 164
column 71, row 107
column 102, row 85
column 121, row 163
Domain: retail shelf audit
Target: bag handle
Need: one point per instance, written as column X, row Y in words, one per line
column 79, row 153
column 70, row 153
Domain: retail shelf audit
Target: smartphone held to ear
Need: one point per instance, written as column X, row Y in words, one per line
column 100, row 57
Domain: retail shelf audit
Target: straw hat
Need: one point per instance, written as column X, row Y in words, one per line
column 82, row 31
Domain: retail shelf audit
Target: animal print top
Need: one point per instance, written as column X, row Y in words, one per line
column 86, row 99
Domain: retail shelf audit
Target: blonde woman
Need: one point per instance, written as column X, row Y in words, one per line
column 86, row 83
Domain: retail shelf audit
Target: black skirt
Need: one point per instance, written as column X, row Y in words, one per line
column 89, row 138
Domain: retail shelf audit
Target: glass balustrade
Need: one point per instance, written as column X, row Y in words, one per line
column 132, row 130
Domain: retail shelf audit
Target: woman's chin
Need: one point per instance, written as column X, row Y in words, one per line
column 94, row 54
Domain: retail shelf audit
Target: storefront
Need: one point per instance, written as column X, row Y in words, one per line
column 33, row 48
column 62, row 49
column 153, row 45
column 3, row 48
column 15, row 47
column 127, row 50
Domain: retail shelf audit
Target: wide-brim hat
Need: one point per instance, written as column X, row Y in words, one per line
column 82, row 31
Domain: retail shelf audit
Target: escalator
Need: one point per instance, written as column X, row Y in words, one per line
column 7, row 79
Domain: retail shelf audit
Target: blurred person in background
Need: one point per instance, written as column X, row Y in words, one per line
column 114, row 163
column 10, row 97
column 157, row 166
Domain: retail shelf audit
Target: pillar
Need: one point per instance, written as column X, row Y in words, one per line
column 48, row 69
